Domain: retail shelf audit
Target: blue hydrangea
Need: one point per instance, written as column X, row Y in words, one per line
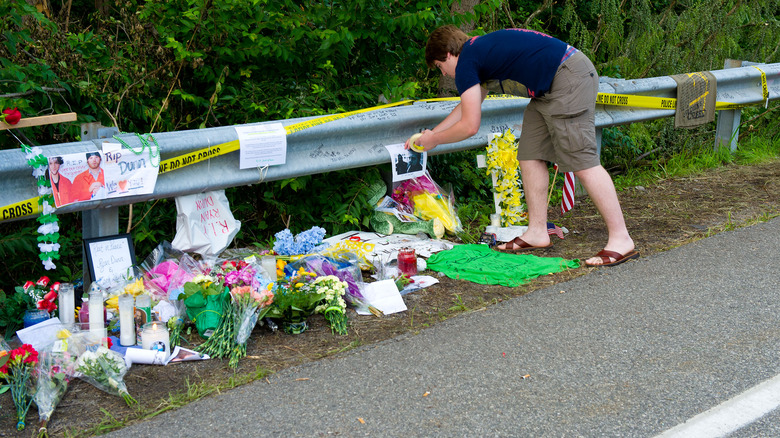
column 304, row 243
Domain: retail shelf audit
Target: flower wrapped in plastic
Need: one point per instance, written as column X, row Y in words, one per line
column 167, row 269
column 17, row 372
column 333, row 306
column 295, row 299
column 248, row 306
column 345, row 267
column 429, row 201
column 56, row 368
column 105, row 369
column 240, row 309
column 203, row 297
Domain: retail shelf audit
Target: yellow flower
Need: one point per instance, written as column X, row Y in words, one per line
column 63, row 334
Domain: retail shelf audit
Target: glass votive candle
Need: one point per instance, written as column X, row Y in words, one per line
column 154, row 336
column 143, row 314
column 32, row 317
column 407, row 261
column 126, row 304
column 67, row 305
column 495, row 220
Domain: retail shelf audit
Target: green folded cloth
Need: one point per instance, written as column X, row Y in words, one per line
column 480, row 264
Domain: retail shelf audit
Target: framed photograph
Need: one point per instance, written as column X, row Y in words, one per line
column 109, row 257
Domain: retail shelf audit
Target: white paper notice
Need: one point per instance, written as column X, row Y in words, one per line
column 262, row 145
column 384, row 296
column 41, row 334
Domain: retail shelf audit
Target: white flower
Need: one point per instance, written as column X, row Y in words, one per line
column 48, row 264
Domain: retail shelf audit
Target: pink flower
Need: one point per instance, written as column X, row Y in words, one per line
column 231, row 278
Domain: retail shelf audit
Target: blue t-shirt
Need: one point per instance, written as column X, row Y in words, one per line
column 526, row 56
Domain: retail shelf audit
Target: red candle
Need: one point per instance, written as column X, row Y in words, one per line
column 407, row 261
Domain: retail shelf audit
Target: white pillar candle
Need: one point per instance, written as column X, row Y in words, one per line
column 97, row 328
column 126, row 321
column 66, row 303
column 155, row 337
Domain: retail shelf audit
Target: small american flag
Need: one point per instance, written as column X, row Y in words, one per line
column 553, row 229
column 567, row 199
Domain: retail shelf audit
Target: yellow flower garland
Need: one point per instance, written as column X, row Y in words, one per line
column 502, row 160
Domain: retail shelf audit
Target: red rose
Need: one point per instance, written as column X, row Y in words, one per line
column 43, row 281
column 27, row 285
column 109, row 343
column 12, row 116
column 55, row 286
column 51, row 296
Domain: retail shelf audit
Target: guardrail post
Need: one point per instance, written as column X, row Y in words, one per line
column 727, row 131
column 101, row 221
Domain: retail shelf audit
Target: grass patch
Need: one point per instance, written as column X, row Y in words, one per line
column 193, row 392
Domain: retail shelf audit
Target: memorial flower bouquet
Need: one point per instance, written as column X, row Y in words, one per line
column 105, row 369
column 429, row 201
column 333, row 306
column 503, row 165
column 249, row 305
column 17, row 373
column 240, row 311
column 295, row 299
column 56, row 368
column 346, row 268
column 203, row 297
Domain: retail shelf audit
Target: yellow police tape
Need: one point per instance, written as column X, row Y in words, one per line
column 31, row 206
column 24, row 208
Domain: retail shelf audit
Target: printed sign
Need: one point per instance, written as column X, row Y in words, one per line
column 111, row 173
column 109, row 258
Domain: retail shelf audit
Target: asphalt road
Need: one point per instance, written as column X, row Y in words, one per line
column 629, row 351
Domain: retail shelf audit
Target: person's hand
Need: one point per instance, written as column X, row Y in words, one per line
column 423, row 140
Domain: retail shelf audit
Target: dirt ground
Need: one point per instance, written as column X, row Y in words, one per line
column 660, row 216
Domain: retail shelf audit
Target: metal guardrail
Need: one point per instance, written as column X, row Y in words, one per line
column 358, row 140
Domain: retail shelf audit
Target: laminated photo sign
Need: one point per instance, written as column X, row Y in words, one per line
column 204, row 223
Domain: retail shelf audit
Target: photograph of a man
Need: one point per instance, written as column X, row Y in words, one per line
column 61, row 186
column 91, row 183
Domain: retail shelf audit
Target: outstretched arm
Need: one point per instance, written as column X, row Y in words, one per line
column 460, row 124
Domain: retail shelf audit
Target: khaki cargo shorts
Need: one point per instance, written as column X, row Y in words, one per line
column 560, row 126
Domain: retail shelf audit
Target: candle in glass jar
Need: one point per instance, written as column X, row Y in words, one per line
column 96, row 309
column 155, row 337
column 407, row 261
column 66, row 304
column 126, row 304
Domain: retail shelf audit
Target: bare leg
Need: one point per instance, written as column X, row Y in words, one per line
column 601, row 190
column 535, row 182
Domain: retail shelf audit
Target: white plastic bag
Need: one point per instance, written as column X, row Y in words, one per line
column 204, row 224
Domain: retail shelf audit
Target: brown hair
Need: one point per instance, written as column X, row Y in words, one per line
column 446, row 39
